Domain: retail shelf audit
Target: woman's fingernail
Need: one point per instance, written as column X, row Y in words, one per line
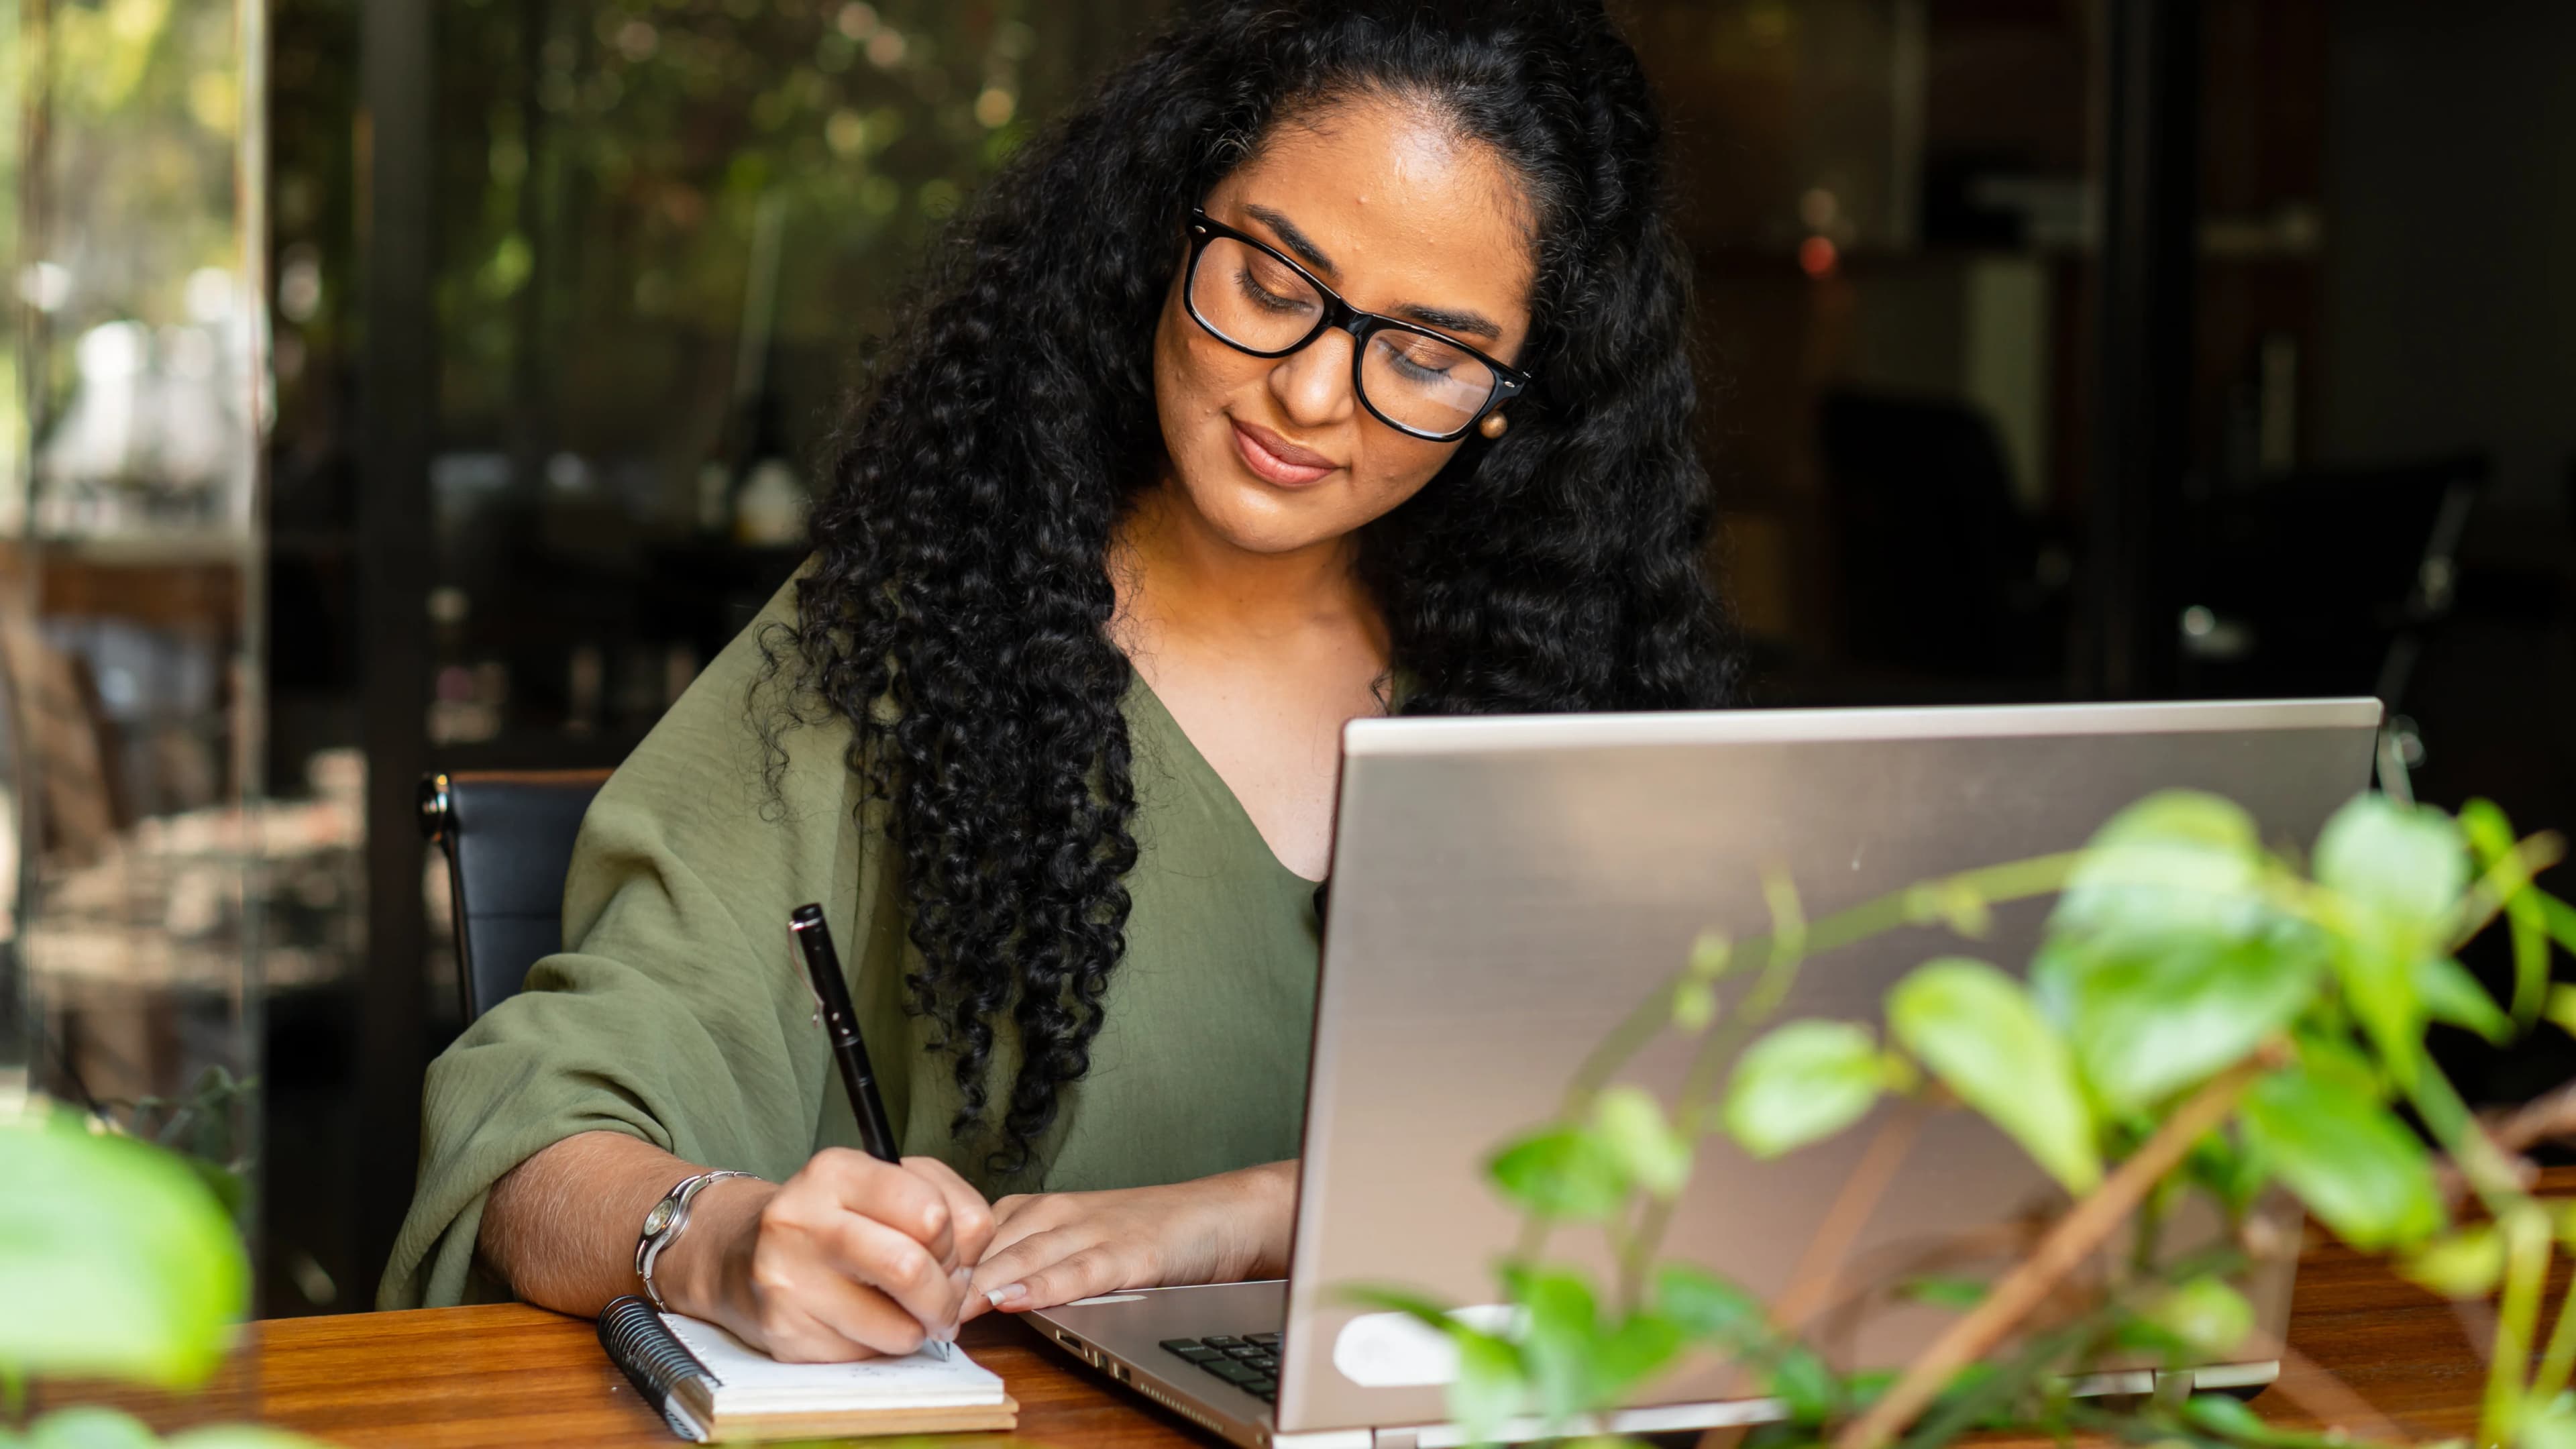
column 1008, row 1293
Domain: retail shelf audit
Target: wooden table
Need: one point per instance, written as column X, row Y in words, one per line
column 449, row 1378
column 459, row 1377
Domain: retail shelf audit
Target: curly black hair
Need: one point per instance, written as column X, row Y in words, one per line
column 956, row 611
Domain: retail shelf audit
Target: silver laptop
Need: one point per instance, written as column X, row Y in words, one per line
column 1504, row 889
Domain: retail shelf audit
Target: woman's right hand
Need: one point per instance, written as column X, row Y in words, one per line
column 848, row 1259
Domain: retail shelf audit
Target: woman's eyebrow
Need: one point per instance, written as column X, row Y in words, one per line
column 1295, row 240
column 1473, row 323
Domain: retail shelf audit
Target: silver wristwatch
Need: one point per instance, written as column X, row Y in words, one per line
column 664, row 1224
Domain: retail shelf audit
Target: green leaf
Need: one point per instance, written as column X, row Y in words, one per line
column 1630, row 1354
column 1801, row 1082
column 2378, row 974
column 2353, row 1163
column 2228, row 1418
column 134, row 1263
column 2466, row 1264
column 2406, row 864
column 1562, row 1172
column 1710, row 955
column 1945, row 1292
column 2491, row 839
column 2205, row 1315
column 1492, row 1387
column 1802, row 1384
column 1694, row 1005
column 2451, row 994
column 2178, row 862
column 2397, row 872
column 2169, row 959
column 1397, row 1300
column 2219, row 1166
column 1578, row 1362
column 2561, row 1007
column 1564, row 1321
column 1631, row 1123
column 1976, row 1029
column 1709, row 1309
column 2549, row 1426
column 2337, row 1062
column 2147, row 1021
column 91, row 1427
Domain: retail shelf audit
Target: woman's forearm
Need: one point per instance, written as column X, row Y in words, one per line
column 1270, row 1192
column 561, row 1226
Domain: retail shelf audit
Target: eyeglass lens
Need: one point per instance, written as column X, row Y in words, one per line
column 1250, row 299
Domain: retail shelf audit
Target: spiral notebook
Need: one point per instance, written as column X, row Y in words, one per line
column 711, row 1385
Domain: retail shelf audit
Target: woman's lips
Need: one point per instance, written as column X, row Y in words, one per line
column 1274, row 459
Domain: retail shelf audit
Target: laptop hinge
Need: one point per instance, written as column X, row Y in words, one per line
column 1405, row 1438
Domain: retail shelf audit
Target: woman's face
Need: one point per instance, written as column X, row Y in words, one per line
column 1399, row 216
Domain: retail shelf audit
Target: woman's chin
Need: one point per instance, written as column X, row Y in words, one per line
column 1257, row 517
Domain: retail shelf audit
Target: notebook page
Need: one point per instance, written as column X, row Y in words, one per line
column 753, row 1382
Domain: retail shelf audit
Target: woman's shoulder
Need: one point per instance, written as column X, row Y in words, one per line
column 751, row 718
column 745, row 736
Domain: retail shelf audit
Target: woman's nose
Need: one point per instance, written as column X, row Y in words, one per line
column 1313, row 384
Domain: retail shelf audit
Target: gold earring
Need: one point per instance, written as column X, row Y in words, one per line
column 1493, row 425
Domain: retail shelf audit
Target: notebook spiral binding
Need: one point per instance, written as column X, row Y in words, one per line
column 657, row 1363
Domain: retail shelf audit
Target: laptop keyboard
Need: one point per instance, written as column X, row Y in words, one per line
column 1250, row 1363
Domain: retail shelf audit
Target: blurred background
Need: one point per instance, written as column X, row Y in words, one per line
column 399, row 385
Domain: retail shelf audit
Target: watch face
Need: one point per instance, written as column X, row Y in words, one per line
column 659, row 1218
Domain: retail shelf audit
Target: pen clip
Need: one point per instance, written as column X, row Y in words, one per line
column 796, row 932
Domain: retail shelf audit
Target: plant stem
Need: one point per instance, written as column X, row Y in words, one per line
column 1791, row 941
column 2507, row 878
column 1915, row 905
column 2075, row 1238
column 1786, row 950
column 1811, row 1283
column 2023, row 1373
column 2559, row 1358
column 2526, row 1235
column 2537, row 1121
column 2490, row 1173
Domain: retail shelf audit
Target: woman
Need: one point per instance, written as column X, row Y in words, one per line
column 1331, row 360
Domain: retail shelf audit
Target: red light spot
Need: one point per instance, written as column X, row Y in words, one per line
column 1816, row 257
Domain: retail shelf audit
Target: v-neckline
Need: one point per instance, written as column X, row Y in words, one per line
column 1189, row 749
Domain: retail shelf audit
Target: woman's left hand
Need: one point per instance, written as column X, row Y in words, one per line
column 1055, row 1247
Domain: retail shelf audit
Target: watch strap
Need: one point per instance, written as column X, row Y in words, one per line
column 664, row 1224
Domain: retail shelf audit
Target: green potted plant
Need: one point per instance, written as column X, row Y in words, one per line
column 119, row 1261
column 2204, row 1019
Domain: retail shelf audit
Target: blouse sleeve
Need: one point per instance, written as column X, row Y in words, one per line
column 675, row 1014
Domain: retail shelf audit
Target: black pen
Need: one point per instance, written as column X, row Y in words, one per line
column 849, row 1049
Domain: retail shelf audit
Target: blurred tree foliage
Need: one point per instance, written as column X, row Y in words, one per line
column 602, row 174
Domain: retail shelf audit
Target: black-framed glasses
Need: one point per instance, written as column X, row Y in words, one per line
column 1417, row 381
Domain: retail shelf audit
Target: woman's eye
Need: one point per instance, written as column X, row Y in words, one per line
column 1266, row 297
column 1425, row 365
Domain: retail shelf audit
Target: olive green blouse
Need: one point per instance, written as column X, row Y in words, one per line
column 677, row 1013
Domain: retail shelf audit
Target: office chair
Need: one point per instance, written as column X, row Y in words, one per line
column 2325, row 582
column 1937, row 567
column 508, row 836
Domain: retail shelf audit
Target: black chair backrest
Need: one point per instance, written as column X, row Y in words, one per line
column 508, row 838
